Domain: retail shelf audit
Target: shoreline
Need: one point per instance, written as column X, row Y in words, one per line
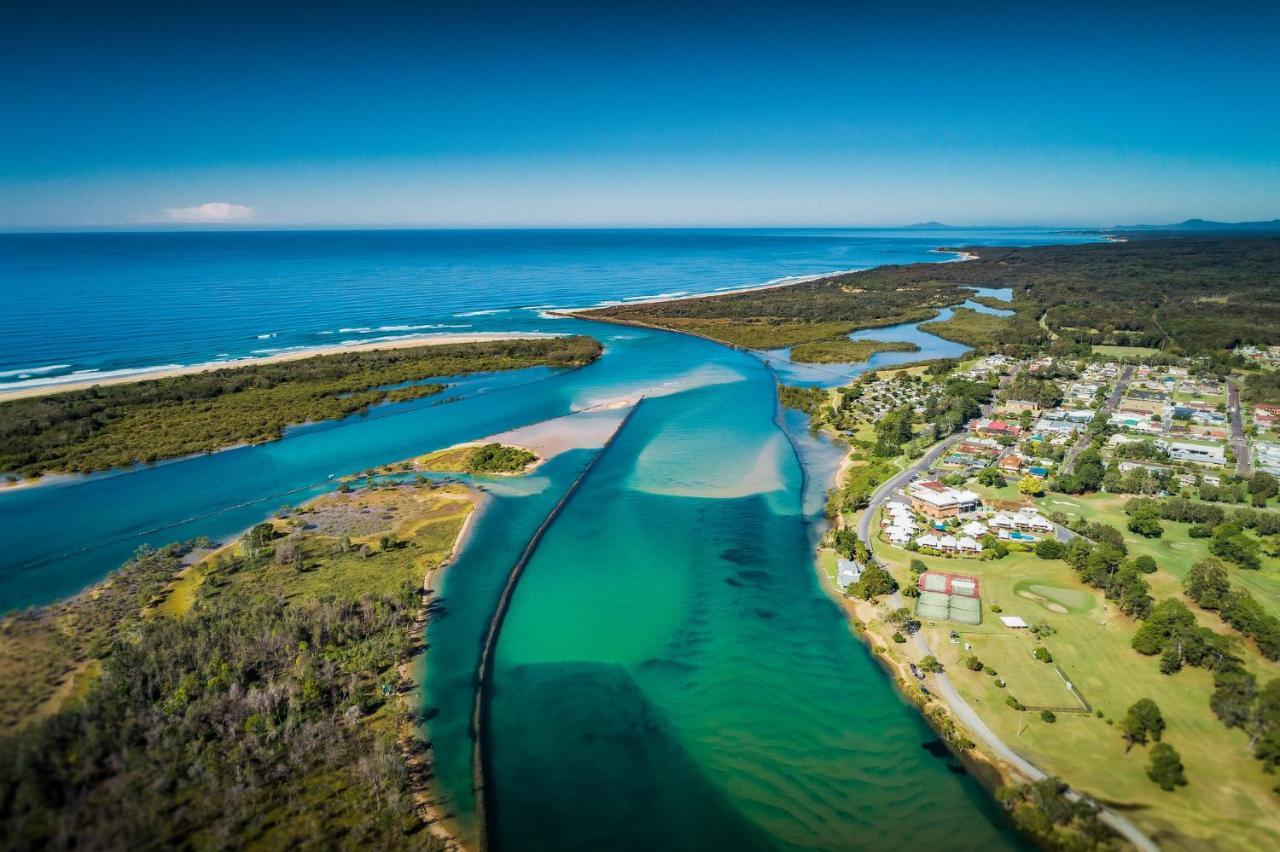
column 86, row 381
column 414, row 736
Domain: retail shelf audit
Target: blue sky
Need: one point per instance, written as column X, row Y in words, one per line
column 649, row 114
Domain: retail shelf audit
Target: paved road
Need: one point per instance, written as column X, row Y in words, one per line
column 1238, row 442
column 940, row 684
column 882, row 493
column 1107, row 407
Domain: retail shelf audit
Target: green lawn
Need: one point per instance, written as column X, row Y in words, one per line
column 1125, row 351
column 1175, row 551
column 1032, row 682
column 1229, row 798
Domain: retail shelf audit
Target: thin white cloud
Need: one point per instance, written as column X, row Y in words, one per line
column 210, row 212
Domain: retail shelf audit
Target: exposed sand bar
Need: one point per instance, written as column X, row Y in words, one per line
column 88, row 380
column 591, row 428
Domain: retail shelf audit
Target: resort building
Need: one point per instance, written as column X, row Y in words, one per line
column 1197, row 453
column 1024, row 520
column 949, row 544
column 936, row 500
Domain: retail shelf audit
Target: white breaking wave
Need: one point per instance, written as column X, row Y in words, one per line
column 672, row 295
column 364, row 329
column 33, row 371
column 496, row 335
column 267, row 336
column 484, row 313
column 86, row 375
column 278, row 349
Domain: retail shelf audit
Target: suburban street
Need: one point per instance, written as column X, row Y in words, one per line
column 1117, row 393
column 1238, row 442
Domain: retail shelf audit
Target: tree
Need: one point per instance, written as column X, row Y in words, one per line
column 1032, row 486
column 991, row 477
column 1169, row 620
column 1089, row 469
column 973, row 663
column 1264, row 485
column 930, row 664
column 1233, row 545
column 875, row 581
column 1166, row 767
column 1233, row 696
column 1050, row 548
column 1206, row 583
column 1048, row 716
column 1067, row 484
column 1145, row 564
column 1143, row 721
column 1042, row 654
column 1146, row 523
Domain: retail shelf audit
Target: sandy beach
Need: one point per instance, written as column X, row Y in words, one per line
column 84, row 381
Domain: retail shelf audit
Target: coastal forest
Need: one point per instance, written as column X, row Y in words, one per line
column 142, row 422
column 255, row 698
column 1183, row 295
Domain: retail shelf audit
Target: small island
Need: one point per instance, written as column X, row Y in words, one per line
column 480, row 458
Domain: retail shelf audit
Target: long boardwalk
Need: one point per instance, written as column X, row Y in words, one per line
column 480, row 768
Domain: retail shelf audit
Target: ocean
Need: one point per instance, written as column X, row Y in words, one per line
column 98, row 303
column 671, row 673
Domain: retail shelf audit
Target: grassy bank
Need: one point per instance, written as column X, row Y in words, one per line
column 142, row 422
column 249, row 700
column 1089, row 640
column 478, row 458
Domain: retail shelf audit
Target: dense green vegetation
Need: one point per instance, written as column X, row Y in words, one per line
column 264, row 715
column 972, row 328
column 496, row 458
column 1183, row 294
column 121, row 425
column 845, row 351
column 42, row 649
column 809, row 400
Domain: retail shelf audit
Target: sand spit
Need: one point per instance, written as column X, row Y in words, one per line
column 87, row 380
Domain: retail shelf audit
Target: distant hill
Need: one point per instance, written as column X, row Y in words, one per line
column 1205, row 225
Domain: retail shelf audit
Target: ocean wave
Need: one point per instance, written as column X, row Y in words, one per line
column 86, row 375
column 671, row 295
column 278, row 349
column 482, row 335
column 483, row 313
column 364, row 329
column 267, row 336
column 32, row 371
